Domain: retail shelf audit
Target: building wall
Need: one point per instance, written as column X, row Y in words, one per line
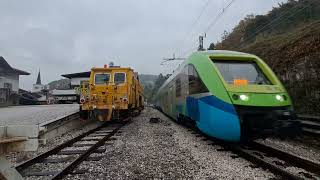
column 11, row 79
column 76, row 81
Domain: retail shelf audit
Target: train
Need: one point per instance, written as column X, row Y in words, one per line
column 228, row 95
column 112, row 93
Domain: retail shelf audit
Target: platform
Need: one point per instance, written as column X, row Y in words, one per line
column 35, row 124
column 35, row 114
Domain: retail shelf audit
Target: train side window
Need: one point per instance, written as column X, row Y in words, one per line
column 119, row 78
column 178, row 87
column 195, row 83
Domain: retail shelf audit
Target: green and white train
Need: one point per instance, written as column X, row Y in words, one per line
column 227, row 95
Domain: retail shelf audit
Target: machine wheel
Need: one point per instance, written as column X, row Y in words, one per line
column 84, row 114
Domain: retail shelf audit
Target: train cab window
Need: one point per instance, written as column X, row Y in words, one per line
column 119, row 78
column 239, row 72
column 101, row 78
column 178, row 87
column 195, row 83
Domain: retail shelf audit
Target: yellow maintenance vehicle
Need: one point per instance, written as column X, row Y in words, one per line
column 112, row 93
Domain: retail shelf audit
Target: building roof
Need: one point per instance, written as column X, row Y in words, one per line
column 77, row 75
column 6, row 68
column 38, row 78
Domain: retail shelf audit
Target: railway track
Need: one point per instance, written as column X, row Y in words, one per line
column 285, row 164
column 281, row 163
column 64, row 159
column 310, row 125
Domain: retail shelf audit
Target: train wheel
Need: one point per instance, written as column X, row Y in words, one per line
column 180, row 119
column 84, row 114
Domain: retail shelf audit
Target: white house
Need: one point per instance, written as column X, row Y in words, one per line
column 9, row 83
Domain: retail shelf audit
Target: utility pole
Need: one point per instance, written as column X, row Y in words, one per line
column 200, row 47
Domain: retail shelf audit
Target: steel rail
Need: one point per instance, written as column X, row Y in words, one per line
column 252, row 157
column 292, row 159
column 310, row 125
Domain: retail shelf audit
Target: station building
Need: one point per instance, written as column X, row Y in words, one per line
column 77, row 78
column 70, row 95
column 9, row 83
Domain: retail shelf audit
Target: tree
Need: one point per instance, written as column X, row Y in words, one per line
column 211, row 47
column 158, row 83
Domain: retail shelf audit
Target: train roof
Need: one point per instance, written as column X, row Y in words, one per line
column 207, row 53
column 222, row 52
column 111, row 68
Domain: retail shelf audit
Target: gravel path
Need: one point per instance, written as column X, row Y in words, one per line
column 166, row 150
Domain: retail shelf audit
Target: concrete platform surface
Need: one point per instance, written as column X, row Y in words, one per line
column 36, row 114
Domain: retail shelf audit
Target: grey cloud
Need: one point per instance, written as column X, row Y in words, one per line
column 65, row 36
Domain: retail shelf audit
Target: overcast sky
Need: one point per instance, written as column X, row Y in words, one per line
column 66, row 36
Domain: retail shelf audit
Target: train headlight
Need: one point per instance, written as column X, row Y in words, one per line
column 82, row 100
column 279, row 97
column 244, row 97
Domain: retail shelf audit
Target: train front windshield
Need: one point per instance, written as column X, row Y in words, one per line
column 102, row 78
column 242, row 72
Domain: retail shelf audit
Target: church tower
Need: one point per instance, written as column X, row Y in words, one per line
column 38, row 87
column 39, row 78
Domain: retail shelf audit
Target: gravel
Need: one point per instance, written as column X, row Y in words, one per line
column 165, row 150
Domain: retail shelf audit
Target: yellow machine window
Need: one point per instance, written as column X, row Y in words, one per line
column 119, row 78
column 242, row 73
column 102, row 78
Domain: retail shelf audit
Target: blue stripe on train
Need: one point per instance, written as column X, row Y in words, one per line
column 214, row 117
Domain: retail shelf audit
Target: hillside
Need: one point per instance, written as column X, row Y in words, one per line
column 60, row 84
column 291, row 50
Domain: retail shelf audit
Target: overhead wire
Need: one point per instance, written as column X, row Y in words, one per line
column 193, row 25
column 280, row 19
column 215, row 20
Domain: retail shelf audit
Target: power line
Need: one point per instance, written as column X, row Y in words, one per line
column 198, row 18
column 296, row 11
column 195, row 22
column 216, row 19
column 219, row 16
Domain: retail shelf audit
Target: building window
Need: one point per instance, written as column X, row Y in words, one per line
column 7, row 86
column 178, row 87
column 119, row 78
column 196, row 85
